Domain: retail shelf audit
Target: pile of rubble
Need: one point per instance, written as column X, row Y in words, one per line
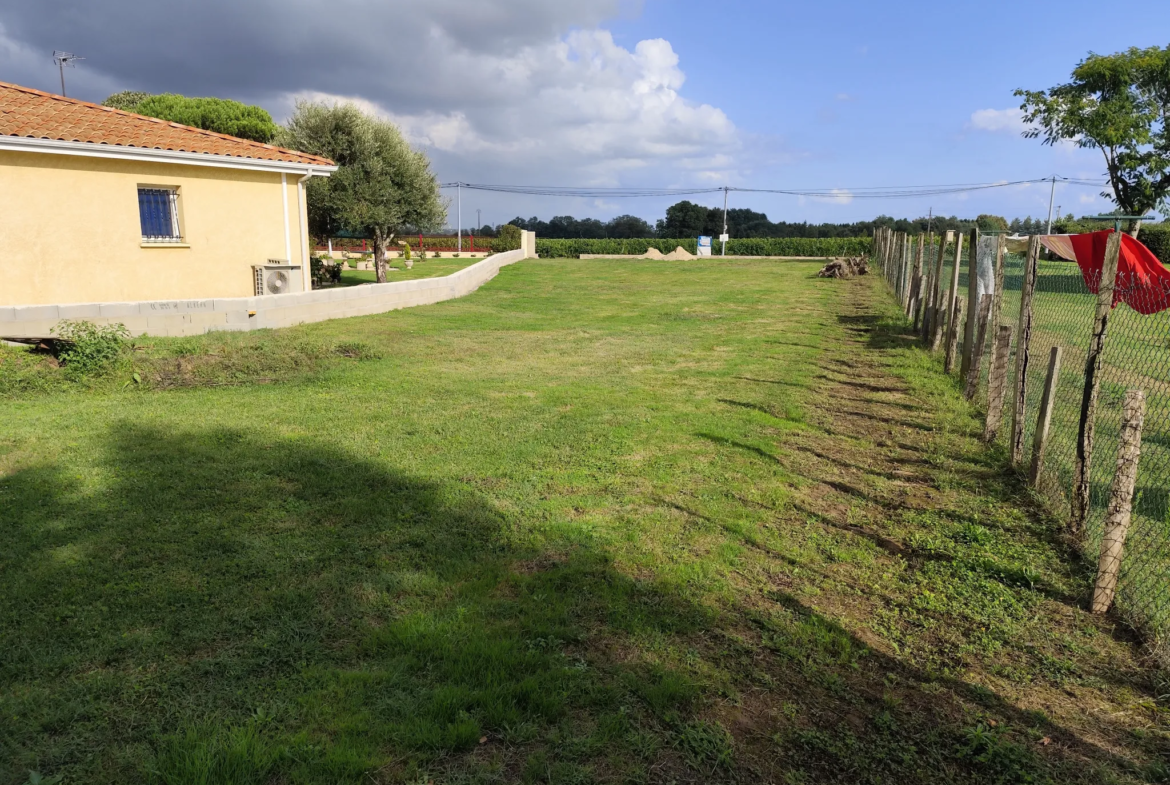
column 845, row 267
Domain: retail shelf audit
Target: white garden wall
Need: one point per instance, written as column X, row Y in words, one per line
column 194, row 317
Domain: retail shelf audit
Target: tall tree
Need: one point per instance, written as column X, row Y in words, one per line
column 382, row 185
column 685, row 219
column 220, row 115
column 127, row 100
column 1118, row 104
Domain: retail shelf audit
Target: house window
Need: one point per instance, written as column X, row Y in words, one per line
column 158, row 209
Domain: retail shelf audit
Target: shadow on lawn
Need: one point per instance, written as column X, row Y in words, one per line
column 229, row 608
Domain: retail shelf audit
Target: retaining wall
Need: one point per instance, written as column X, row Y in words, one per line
column 194, row 317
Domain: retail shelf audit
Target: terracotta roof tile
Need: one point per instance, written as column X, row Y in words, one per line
column 34, row 114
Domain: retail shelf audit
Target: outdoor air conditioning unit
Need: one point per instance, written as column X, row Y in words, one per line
column 277, row 277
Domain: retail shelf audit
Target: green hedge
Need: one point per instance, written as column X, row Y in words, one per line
column 1157, row 239
column 767, row 246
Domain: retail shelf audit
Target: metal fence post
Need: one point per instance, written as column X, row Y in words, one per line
column 1084, row 465
column 1120, row 501
column 1023, row 346
column 1044, row 418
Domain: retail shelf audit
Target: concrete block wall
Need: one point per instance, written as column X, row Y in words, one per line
column 194, row 317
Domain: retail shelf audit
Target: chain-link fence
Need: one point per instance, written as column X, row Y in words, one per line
column 1136, row 356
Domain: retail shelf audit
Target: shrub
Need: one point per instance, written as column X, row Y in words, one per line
column 508, row 240
column 92, row 348
column 127, row 100
column 765, row 246
column 1157, row 239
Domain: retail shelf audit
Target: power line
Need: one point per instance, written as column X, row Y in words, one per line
column 864, row 192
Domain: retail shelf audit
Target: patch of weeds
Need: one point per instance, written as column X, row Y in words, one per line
column 707, row 745
column 93, row 349
column 1002, row 759
column 972, row 534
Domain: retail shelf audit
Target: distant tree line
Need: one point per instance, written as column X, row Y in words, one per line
column 687, row 219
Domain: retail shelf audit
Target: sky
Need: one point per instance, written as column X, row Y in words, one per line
column 837, row 94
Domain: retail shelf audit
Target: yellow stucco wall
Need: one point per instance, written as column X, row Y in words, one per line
column 70, row 230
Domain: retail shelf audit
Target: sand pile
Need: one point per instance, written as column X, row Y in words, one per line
column 678, row 254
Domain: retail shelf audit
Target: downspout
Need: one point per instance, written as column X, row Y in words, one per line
column 304, row 233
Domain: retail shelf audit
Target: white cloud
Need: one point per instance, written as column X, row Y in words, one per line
column 845, row 97
column 994, row 120
column 838, row 196
column 1087, row 198
column 579, row 109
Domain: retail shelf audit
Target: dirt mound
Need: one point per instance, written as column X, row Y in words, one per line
column 678, row 254
column 653, row 253
column 845, row 268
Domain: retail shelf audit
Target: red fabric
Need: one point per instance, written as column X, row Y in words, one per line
column 1142, row 282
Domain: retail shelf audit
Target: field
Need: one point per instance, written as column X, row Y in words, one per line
column 597, row 522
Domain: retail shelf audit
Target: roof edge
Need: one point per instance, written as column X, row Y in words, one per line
column 169, row 123
column 23, row 144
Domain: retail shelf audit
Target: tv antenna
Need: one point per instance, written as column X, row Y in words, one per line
column 63, row 60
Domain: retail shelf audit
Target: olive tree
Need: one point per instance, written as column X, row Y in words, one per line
column 381, row 187
column 1118, row 104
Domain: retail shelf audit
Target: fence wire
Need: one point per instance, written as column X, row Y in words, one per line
column 1136, row 355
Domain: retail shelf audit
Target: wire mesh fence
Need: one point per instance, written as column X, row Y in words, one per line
column 1136, row 356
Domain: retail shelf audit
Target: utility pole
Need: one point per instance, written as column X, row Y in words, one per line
column 723, row 239
column 478, row 222
column 929, row 219
column 459, row 215
column 1051, row 199
column 63, row 60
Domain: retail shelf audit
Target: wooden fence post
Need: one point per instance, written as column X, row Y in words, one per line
column 907, row 278
column 973, row 309
column 976, row 362
column 1044, row 418
column 1084, row 464
column 954, row 291
column 1023, row 346
column 915, row 303
column 941, row 313
column 997, row 382
column 997, row 306
column 953, row 335
column 928, row 291
column 1120, row 508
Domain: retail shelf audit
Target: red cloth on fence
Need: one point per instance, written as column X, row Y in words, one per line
column 1142, row 282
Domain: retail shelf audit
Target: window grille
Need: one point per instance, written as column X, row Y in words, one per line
column 158, row 209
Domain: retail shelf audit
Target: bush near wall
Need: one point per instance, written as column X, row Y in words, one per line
column 1157, row 239
column 768, row 246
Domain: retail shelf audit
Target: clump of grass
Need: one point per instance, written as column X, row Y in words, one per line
column 104, row 358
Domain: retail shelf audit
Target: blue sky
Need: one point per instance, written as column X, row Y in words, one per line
column 663, row 93
column 871, row 94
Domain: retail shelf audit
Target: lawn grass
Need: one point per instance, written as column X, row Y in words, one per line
column 423, row 268
column 599, row 521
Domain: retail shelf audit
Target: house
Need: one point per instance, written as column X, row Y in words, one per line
column 100, row 205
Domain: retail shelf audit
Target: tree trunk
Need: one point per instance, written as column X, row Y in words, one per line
column 1134, row 228
column 379, row 256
